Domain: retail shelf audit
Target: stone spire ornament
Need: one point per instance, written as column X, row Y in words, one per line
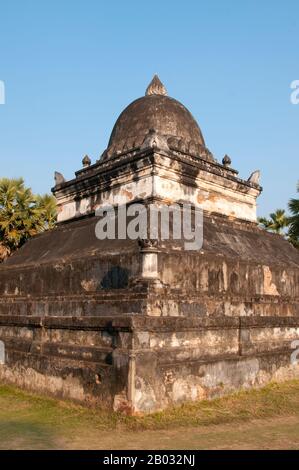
column 226, row 161
column 59, row 178
column 255, row 177
column 156, row 87
column 86, row 161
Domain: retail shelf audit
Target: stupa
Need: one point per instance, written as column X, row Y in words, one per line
column 139, row 324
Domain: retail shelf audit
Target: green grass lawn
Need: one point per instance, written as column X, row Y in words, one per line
column 29, row 421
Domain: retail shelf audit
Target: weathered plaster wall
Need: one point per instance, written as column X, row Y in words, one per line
column 156, row 174
column 209, row 358
column 240, row 271
column 142, row 364
column 66, row 357
column 79, row 321
column 217, row 286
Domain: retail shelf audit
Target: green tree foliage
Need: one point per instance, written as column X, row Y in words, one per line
column 277, row 222
column 294, row 221
column 22, row 214
column 282, row 224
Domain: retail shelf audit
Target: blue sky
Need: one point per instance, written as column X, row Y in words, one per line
column 70, row 67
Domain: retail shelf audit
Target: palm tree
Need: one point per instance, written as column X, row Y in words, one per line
column 47, row 205
column 22, row 214
column 277, row 223
column 294, row 221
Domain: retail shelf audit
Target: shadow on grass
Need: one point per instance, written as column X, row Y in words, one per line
column 19, row 435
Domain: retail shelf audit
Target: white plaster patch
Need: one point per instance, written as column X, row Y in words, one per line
column 89, row 285
column 68, row 387
column 269, row 287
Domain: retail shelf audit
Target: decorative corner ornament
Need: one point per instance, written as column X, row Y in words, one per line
column 155, row 141
column 59, row 178
column 146, row 244
column 86, row 162
column 255, row 177
column 226, row 161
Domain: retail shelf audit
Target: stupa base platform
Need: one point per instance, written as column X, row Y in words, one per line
column 139, row 364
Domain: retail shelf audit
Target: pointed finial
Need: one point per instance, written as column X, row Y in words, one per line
column 86, row 161
column 156, row 87
column 226, row 161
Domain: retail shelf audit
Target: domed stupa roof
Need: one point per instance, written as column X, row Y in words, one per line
column 156, row 112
